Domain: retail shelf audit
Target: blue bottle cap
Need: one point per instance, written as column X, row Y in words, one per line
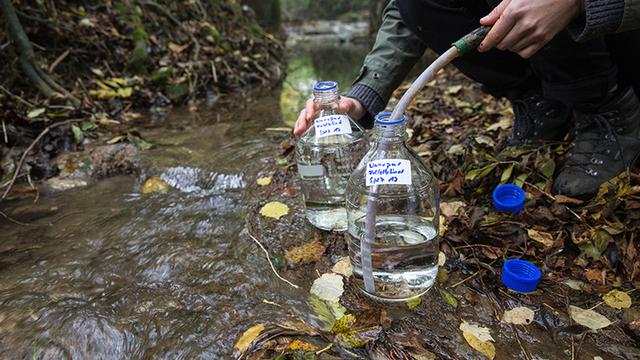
column 508, row 197
column 325, row 85
column 384, row 118
column 520, row 275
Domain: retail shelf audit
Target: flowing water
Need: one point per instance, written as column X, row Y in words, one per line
column 107, row 272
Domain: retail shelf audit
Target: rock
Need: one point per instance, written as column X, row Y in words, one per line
column 62, row 183
column 115, row 159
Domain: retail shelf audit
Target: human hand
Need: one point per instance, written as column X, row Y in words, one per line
column 525, row 26
column 347, row 105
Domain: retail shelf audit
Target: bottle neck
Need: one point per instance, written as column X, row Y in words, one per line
column 393, row 134
column 326, row 98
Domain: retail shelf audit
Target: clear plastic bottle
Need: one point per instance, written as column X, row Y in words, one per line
column 327, row 153
column 393, row 206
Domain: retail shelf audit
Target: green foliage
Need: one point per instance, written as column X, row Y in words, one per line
column 325, row 9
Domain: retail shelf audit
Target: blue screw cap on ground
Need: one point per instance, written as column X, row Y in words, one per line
column 508, row 197
column 520, row 275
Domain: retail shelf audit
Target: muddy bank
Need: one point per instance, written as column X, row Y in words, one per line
column 462, row 133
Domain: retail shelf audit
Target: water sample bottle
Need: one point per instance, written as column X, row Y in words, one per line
column 327, row 153
column 393, row 206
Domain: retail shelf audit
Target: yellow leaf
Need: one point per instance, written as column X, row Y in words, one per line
column 588, row 318
column 344, row 324
column 343, row 267
column 274, row 209
column 484, row 347
column 305, row 254
column 481, row 333
column 301, row 345
column 155, row 185
column 617, row 299
column 264, row 181
column 540, row 236
column 247, row 338
column 519, row 316
column 413, row 302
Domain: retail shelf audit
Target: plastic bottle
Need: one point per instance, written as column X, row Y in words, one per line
column 327, row 153
column 393, row 212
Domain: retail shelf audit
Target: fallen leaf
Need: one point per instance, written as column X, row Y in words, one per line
column 561, row 199
column 519, row 316
column 328, row 287
column 481, row 333
column 574, row 284
column 274, row 209
column 450, row 209
column 502, row 124
column 412, row 303
column 35, row 113
column 485, row 347
column 327, row 312
column 588, row 318
column 305, row 254
column 617, row 299
column 343, row 267
column 456, row 149
column 264, row 181
column 301, row 345
column 452, row 90
column 155, row 185
column 596, row 275
column 485, row 140
column 540, row 236
column 344, row 324
column 245, row 340
column 442, row 258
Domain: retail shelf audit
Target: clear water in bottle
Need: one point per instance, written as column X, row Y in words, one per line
column 393, row 213
column 326, row 155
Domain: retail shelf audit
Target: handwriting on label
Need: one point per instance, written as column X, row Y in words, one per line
column 332, row 125
column 388, row 171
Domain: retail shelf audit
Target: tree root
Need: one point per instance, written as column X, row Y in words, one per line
column 43, row 82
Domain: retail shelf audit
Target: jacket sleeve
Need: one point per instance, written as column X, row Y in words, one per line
column 606, row 17
column 394, row 53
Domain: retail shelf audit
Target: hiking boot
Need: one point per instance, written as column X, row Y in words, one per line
column 607, row 143
column 538, row 120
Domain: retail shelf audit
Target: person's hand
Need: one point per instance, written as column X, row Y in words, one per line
column 346, row 105
column 525, row 26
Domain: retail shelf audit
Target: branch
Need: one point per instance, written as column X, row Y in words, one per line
column 26, row 152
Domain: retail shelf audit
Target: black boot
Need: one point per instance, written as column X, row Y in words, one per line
column 607, row 143
column 538, row 120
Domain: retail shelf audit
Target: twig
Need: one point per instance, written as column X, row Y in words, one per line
column 269, row 259
column 466, row 279
column 16, row 97
column 26, row 152
column 12, row 219
column 524, row 351
column 58, row 60
column 4, row 131
column 324, row 349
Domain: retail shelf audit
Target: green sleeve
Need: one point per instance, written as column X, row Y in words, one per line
column 631, row 16
column 394, row 53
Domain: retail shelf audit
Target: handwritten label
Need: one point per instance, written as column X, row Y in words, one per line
column 332, row 125
column 388, row 171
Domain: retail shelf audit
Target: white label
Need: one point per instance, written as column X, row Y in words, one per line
column 310, row 170
column 389, row 171
column 332, row 125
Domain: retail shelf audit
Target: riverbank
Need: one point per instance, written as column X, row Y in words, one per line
column 99, row 67
column 586, row 251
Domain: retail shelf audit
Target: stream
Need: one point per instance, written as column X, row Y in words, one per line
column 104, row 271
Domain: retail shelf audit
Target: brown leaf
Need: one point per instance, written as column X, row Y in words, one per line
column 561, row 199
column 454, row 186
column 542, row 237
column 305, row 254
column 596, row 275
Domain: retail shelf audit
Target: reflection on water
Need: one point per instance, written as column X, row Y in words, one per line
column 313, row 62
column 107, row 272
